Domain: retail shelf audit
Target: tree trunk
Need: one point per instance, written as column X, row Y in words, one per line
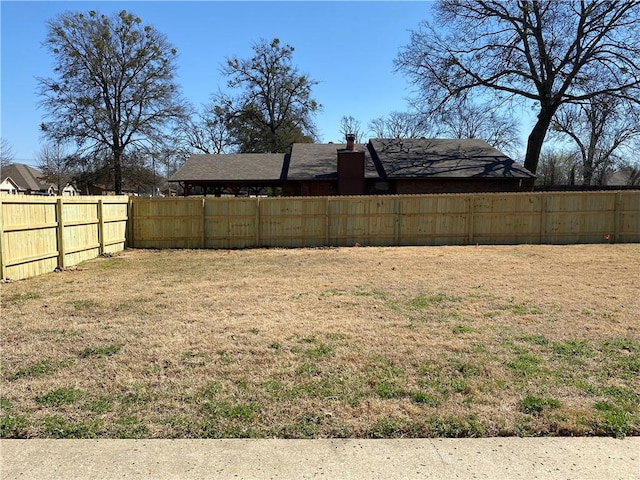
column 117, row 172
column 534, row 144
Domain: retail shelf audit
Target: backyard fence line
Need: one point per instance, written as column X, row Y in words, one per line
column 389, row 220
column 39, row 234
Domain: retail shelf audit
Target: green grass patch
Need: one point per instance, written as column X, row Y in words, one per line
column 573, row 348
column 388, row 389
column 60, row 396
column 246, row 412
column 129, row 427
column 106, row 351
column 524, row 309
column 98, row 406
column 319, row 351
column 41, row 368
column 458, row 329
column 425, row 399
column 84, row 304
column 525, row 365
column 56, row 426
column 13, row 426
column 535, row 405
column 615, row 421
column 422, row 301
column 20, row 298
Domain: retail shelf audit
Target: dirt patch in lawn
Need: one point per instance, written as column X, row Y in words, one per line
column 335, row 342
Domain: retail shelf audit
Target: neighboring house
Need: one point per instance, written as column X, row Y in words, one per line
column 8, row 186
column 382, row 166
column 28, row 181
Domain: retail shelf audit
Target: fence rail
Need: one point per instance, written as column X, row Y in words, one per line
column 457, row 219
column 40, row 234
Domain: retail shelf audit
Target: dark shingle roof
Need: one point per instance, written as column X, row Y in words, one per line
column 320, row 160
column 231, row 167
column 444, row 158
column 24, row 176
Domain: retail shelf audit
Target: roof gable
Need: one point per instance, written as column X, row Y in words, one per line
column 443, row 158
column 320, row 160
column 231, row 167
column 26, row 177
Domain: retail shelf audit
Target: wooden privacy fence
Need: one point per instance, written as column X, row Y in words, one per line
column 40, row 234
column 457, row 219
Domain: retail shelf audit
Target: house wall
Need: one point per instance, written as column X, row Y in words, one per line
column 309, row 188
column 8, row 187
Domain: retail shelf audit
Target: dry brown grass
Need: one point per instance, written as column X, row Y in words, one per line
column 358, row 342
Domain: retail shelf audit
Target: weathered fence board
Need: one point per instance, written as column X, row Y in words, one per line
column 40, row 234
column 456, row 219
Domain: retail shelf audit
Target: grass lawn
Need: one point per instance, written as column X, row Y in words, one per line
column 335, row 342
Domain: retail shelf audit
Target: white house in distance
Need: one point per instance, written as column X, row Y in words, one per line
column 21, row 179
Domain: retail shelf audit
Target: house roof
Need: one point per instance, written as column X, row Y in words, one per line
column 318, row 161
column 384, row 158
column 232, row 167
column 443, row 158
column 26, row 177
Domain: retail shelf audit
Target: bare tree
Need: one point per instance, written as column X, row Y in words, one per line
column 6, row 153
column 469, row 120
column 207, row 132
column 401, row 125
column 544, row 52
column 114, row 85
column 600, row 127
column 56, row 165
column 558, row 167
column 349, row 125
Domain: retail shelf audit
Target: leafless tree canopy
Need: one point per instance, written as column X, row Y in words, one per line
column 602, row 129
column 6, row 152
column 349, row 125
column 547, row 52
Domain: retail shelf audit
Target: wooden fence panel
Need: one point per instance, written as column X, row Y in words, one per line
column 506, row 219
column 40, row 234
column 453, row 219
column 292, row 222
column 230, row 222
column 628, row 217
column 167, row 222
column 433, row 220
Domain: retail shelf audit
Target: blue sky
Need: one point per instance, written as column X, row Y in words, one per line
column 349, row 47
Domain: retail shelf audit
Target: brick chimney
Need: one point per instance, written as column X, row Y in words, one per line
column 351, row 141
column 351, row 169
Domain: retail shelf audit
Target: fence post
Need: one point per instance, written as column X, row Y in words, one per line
column 258, row 223
column 471, row 199
column 617, row 215
column 60, row 232
column 396, row 222
column 203, row 236
column 543, row 218
column 129, row 240
column 327, row 222
column 100, row 226
column 2, row 272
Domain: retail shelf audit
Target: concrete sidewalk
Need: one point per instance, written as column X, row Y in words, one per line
column 509, row 458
